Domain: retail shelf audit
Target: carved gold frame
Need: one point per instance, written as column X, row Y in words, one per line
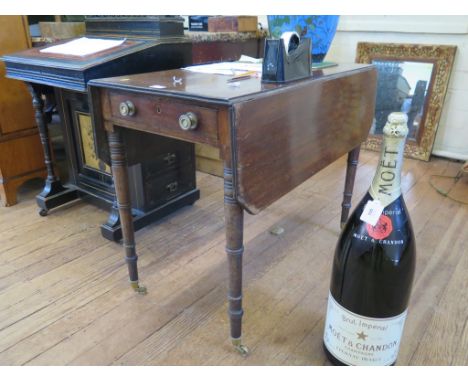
column 442, row 56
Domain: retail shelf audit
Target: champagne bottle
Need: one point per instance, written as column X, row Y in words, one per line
column 373, row 266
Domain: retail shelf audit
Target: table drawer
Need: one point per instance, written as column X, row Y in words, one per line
column 162, row 115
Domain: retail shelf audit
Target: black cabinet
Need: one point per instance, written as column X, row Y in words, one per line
column 162, row 170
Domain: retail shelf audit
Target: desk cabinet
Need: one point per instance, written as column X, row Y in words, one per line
column 164, row 169
column 21, row 156
column 89, row 177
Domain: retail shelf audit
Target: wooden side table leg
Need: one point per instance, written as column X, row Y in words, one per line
column 353, row 158
column 53, row 194
column 120, row 175
column 234, row 222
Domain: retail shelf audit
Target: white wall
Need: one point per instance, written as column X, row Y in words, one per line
column 452, row 134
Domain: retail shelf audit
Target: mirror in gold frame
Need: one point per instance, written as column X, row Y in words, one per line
column 413, row 79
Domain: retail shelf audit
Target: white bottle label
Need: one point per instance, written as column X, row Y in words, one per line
column 372, row 211
column 358, row 340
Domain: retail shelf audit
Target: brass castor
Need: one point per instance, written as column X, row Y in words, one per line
column 43, row 212
column 140, row 289
column 242, row 349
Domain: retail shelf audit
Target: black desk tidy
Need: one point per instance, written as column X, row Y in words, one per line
column 163, row 178
column 282, row 66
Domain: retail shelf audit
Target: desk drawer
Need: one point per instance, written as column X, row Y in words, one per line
column 161, row 115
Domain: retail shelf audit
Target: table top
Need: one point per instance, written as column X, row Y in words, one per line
column 275, row 136
column 214, row 88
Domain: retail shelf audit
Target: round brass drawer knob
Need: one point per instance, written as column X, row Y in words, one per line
column 188, row 121
column 127, row 108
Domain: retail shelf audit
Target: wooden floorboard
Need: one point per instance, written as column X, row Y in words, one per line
column 65, row 298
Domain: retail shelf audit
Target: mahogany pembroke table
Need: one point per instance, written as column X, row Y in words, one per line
column 272, row 138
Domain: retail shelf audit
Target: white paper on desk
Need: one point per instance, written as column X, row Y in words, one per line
column 226, row 68
column 83, row 46
column 252, row 60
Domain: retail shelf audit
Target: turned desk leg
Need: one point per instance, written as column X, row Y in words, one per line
column 53, row 194
column 234, row 222
column 353, row 158
column 120, row 174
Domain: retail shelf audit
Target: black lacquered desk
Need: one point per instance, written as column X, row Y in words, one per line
column 272, row 138
column 89, row 177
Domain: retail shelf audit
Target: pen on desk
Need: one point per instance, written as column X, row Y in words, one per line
column 243, row 76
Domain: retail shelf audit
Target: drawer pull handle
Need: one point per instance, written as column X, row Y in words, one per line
column 127, row 108
column 188, row 121
column 170, row 158
column 172, row 187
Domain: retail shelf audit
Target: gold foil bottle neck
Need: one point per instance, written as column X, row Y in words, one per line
column 396, row 126
column 385, row 186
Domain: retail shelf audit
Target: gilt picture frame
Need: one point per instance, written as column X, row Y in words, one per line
column 412, row 78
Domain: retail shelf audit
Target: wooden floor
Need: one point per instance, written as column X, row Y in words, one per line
column 65, row 298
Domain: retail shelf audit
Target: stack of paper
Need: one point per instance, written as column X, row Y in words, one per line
column 83, row 46
column 226, row 68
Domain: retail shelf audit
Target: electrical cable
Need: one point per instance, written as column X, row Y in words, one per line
column 455, row 179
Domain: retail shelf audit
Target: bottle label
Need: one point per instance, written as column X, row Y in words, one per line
column 382, row 229
column 372, row 211
column 363, row 341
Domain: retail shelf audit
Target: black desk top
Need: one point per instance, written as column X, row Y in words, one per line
column 35, row 57
column 73, row 72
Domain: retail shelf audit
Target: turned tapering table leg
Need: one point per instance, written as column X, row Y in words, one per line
column 120, row 175
column 234, row 223
column 353, row 158
column 38, row 105
column 53, row 194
